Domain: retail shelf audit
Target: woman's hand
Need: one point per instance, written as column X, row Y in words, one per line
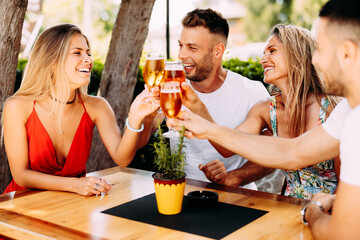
column 195, row 125
column 88, row 186
column 146, row 103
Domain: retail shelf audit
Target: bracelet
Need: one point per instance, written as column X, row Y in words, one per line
column 303, row 211
column 133, row 129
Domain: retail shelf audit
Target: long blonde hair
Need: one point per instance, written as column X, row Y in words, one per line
column 44, row 74
column 303, row 77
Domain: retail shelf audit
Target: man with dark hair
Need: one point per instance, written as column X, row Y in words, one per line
column 228, row 96
column 338, row 58
column 209, row 19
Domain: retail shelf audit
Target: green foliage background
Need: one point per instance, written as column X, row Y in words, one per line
column 263, row 15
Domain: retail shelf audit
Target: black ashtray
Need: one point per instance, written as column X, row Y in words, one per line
column 202, row 199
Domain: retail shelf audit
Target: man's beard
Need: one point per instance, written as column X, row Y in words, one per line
column 203, row 69
column 334, row 87
column 333, row 83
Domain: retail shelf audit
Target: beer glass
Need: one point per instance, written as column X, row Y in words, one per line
column 174, row 71
column 153, row 71
column 170, row 102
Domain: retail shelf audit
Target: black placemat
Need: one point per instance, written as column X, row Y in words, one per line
column 213, row 222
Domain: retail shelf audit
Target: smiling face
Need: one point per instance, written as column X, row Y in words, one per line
column 325, row 58
column 78, row 63
column 196, row 51
column 274, row 62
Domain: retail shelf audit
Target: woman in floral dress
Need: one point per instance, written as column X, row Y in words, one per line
column 297, row 104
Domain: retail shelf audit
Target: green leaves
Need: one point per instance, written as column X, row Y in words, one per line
column 250, row 69
column 171, row 163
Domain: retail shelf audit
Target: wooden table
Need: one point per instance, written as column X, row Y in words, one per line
column 34, row 214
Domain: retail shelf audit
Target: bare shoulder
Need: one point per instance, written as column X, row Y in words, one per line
column 94, row 101
column 260, row 108
column 261, row 112
column 96, row 105
column 17, row 110
column 19, row 107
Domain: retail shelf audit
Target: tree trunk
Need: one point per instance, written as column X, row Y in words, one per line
column 121, row 67
column 12, row 13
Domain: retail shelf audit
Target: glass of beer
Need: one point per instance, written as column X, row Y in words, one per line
column 174, row 71
column 153, row 71
column 170, row 102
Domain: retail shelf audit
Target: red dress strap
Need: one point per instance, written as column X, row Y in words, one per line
column 82, row 103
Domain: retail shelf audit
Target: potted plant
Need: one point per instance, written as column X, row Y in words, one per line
column 169, row 180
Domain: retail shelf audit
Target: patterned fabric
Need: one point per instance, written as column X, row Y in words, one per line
column 306, row 182
column 272, row 100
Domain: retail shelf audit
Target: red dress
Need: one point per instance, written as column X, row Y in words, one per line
column 42, row 157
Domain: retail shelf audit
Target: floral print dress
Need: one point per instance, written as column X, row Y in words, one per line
column 306, row 182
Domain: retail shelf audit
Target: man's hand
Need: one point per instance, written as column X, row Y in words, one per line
column 192, row 101
column 215, row 171
column 326, row 200
column 189, row 97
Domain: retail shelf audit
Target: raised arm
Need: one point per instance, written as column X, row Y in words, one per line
column 215, row 170
column 192, row 101
column 315, row 146
column 254, row 123
column 151, row 120
column 122, row 148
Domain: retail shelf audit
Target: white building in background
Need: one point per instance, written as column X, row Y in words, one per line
column 31, row 26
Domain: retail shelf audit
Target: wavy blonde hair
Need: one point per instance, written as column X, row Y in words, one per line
column 44, row 73
column 303, row 77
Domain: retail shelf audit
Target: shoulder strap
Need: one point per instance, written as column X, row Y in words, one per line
column 323, row 108
column 272, row 101
column 81, row 101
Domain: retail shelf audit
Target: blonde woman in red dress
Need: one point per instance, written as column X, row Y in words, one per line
column 48, row 123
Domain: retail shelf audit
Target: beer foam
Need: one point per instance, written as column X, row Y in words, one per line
column 154, row 58
column 176, row 65
column 170, row 91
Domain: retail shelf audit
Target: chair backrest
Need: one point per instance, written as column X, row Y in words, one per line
column 272, row 183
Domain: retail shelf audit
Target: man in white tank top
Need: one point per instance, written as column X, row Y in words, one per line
column 228, row 96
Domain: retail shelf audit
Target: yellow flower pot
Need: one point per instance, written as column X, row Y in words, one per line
column 169, row 195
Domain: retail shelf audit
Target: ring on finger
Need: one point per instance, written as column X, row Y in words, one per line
column 97, row 186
